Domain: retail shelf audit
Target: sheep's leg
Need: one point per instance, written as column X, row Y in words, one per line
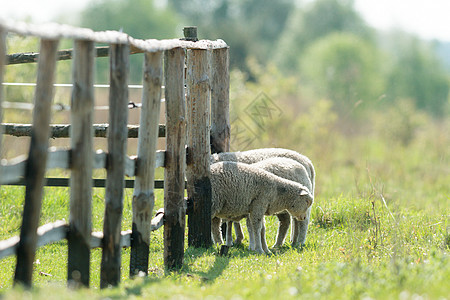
column 216, row 230
column 256, row 222
column 263, row 237
column 285, row 222
column 251, row 236
column 300, row 230
column 229, row 237
column 239, row 233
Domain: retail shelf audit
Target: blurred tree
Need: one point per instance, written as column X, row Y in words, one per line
column 344, row 68
column 418, row 74
column 320, row 18
column 138, row 18
column 250, row 27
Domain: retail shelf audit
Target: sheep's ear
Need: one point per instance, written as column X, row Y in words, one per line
column 304, row 193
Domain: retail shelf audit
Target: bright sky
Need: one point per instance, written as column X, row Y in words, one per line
column 427, row 18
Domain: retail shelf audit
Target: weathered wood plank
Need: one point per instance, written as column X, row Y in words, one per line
column 59, row 31
column 58, row 231
column 117, row 146
column 2, row 68
column 143, row 196
column 46, row 234
column 174, row 172
column 220, row 103
column 158, row 220
column 37, row 159
column 198, row 147
column 31, row 57
column 82, row 144
column 96, row 182
column 97, row 239
column 14, row 169
column 63, row 130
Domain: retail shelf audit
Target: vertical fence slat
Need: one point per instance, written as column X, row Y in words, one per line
column 117, row 145
column 143, row 196
column 2, row 67
column 37, row 159
column 174, row 173
column 82, row 108
column 220, row 104
column 198, row 146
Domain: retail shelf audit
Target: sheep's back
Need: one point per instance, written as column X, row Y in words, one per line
column 257, row 155
column 286, row 168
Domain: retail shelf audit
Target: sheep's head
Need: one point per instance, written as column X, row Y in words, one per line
column 303, row 202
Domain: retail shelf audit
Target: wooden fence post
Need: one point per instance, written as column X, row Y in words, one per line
column 143, row 196
column 82, row 155
column 37, row 159
column 2, row 67
column 198, row 147
column 174, row 173
column 117, row 146
column 220, row 103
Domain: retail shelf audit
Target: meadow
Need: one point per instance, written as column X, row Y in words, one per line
column 380, row 226
column 379, row 230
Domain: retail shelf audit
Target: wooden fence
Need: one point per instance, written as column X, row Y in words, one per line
column 196, row 91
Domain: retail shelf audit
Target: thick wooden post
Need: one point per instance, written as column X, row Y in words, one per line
column 174, row 173
column 143, row 196
column 220, row 103
column 198, row 146
column 37, row 159
column 82, row 155
column 117, row 146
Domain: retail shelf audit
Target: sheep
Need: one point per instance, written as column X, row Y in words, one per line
column 300, row 228
column 285, row 168
column 244, row 191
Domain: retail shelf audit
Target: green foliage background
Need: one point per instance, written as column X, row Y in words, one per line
column 371, row 109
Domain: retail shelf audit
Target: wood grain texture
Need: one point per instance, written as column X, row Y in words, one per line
column 82, row 154
column 117, row 145
column 198, row 145
column 36, row 163
column 220, row 101
column 175, row 162
column 63, row 130
column 2, row 69
column 143, row 196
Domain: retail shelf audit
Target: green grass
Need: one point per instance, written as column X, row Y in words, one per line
column 379, row 229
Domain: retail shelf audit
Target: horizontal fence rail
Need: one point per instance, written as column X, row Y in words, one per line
column 58, row 231
column 14, row 170
column 193, row 71
column 63, row 130
column 53, row 31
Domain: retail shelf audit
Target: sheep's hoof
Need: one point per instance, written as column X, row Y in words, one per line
column 295, row 245
column 260, row 251
column 224, row 250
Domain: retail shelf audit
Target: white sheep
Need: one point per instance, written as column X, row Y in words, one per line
column 286, row 168
column 300, row 228
column 244, row 191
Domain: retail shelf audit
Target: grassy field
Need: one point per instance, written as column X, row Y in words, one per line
column 380, row 226
column 379, row 229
